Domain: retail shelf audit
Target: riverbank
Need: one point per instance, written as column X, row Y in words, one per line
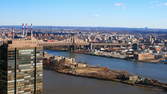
column 84, row 70
column 122, row 57
column 142, row 61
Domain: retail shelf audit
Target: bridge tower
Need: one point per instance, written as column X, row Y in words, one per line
column 72, row 47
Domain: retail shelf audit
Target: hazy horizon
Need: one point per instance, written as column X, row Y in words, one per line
column 85, row 13
column 77, row 26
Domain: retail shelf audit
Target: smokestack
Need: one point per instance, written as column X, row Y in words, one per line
column 26, row 28
column 13, row 32
column 23, row 29
column 31, row 32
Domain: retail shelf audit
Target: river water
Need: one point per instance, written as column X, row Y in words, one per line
column 56, row 83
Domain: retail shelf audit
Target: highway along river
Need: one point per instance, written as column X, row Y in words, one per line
column 56, row 83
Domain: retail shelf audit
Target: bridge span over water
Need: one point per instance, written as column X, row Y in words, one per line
column 80, row 42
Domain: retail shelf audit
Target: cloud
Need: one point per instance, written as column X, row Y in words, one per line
column 119, row 4
column 165, row 4
column 158, row 4
column 96, row 15
column 162, row 4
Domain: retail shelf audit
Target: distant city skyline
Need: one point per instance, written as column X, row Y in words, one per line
column 103, row 13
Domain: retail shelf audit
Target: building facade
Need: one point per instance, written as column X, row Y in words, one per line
column 144, row 56
column 21, row 68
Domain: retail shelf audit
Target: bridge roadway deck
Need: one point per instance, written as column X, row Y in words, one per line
column 81, row 44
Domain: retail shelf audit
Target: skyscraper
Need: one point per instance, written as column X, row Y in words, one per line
column 21, row 68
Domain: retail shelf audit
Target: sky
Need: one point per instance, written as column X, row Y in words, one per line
column 108, row 13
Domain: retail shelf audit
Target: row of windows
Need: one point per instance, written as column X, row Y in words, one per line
column 25, row 70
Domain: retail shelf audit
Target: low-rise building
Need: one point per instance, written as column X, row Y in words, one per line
column 144, row 56
column 81, row 65
column 133, row 78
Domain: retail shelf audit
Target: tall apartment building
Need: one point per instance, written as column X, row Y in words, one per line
column 21, row 68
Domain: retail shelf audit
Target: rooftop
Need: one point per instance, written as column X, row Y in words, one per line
column 21, row 43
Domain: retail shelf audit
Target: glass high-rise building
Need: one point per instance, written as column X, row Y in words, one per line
column 21, row 68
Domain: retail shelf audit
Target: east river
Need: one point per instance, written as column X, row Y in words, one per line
column 56, row 83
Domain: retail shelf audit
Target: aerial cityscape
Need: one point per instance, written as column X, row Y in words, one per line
column 83, row 47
